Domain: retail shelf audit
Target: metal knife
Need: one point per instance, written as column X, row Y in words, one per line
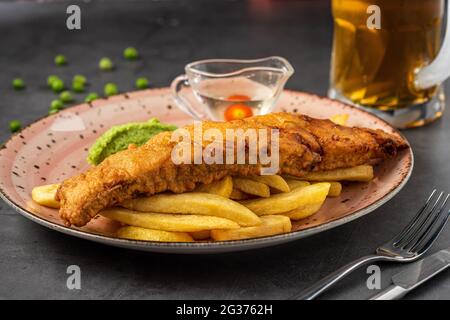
column 414, row 275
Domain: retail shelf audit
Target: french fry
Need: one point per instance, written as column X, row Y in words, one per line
column 335, row 189
column 270, row 225
column 195, row 203
column 303, row 211
column 252, row 187
column 284, row 202
column 362, row 173
column 168, row 222
column 294, row 184
column 201, row 235
column 46, row 195
column 340, row 119
column 136, row 233
column 237, row 194
column 222, row 188
column 273, row 181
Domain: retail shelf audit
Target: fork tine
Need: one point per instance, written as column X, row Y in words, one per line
column 407, row 229
column 432, row 232
column 428, row 219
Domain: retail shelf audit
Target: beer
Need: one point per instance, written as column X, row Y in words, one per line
column 375, row 67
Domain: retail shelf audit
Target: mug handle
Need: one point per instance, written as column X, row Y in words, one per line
column 177, row 85
column 439, row 69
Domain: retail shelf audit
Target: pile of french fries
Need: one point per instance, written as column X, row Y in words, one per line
column 233, row 208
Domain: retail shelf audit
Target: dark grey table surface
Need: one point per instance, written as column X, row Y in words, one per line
column 169, row 34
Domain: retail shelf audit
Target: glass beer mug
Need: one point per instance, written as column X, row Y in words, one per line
column 387, row 57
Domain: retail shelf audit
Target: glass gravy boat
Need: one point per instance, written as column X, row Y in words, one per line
column 232, row 89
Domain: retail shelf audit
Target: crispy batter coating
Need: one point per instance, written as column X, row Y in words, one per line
column 305, row 144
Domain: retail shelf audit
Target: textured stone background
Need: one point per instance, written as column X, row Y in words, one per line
column 169, row 34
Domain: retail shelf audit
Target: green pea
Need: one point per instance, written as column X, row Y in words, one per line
column 60, row 60
column 77, row 86
column 57, row 85
column 52, row 111
column 66, row 96
column 130, row 53
column 91, row 97
column 50, row 79
column 110, row 89
column 141, row 83
column 79, row 78
column 18, row 84
column 15, row 125
column 105, row 64
column 56, row 104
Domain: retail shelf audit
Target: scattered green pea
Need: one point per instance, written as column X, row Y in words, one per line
column 60, row 60
column 91, row 97
column 56, row 104
column 18, row 84
column 77, row 86
column 15, row 125
column 52, row 111
column 50, row 79
column 66, row 96
column 105, row 64
column 141, row 83
column 79, row 78
column 110, row 89
column 130, row 53
column 57, row 85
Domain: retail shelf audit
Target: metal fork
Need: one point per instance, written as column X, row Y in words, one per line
column 409, row 245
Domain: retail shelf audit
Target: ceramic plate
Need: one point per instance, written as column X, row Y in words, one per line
column 55, row 148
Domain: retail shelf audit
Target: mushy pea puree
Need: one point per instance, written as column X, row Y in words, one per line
column 119, row 137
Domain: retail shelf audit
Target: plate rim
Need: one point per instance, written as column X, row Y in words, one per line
column 216, row 246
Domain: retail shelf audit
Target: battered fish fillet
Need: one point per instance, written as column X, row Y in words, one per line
column 305, row 144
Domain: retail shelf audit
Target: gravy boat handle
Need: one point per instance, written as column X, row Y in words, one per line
column 177, row 85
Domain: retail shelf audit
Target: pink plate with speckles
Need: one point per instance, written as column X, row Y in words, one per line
column 54, row 148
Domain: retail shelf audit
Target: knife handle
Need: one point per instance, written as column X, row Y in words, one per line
column 392, row 292
column 330, row 280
